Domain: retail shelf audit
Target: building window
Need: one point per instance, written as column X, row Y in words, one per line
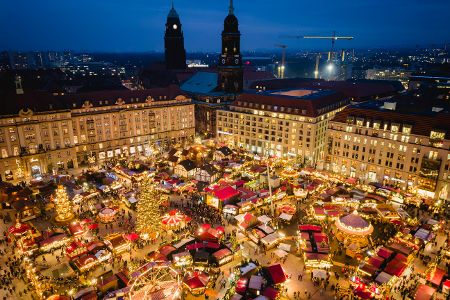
column 433, row 155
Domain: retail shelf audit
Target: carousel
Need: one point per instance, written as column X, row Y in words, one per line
column 174, row 220
column 107, row 215
column 289, row 172
column 353, row 231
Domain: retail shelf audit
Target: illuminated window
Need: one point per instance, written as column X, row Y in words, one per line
column 437, row 135
column 395, row 127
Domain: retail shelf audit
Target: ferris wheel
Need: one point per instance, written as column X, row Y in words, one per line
column 155, row 281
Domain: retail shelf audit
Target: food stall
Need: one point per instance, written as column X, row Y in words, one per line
column 182, row 259
column 117, row 243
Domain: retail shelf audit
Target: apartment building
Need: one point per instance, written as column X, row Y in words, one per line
column 281, row 122
column 40, row 133
column 404, row 142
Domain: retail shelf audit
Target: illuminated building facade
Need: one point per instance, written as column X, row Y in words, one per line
column 281, row 123
column 41, row 133
column 401, row 143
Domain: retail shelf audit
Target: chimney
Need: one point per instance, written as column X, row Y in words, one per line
column 18, row 82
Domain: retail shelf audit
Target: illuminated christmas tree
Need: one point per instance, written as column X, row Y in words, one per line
column 148, row 221
column 64, row 211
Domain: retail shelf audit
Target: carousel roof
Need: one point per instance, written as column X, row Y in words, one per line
column 354, row 224
column 174, row 217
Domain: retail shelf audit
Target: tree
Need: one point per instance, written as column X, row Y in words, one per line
column 148, row 221
column 63, row 206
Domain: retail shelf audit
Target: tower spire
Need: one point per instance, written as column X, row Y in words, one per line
column 172, row 4
column 231, row 8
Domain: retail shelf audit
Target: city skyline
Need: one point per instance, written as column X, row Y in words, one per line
column 117, row 26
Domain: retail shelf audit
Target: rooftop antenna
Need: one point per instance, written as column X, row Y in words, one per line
column 231, row 8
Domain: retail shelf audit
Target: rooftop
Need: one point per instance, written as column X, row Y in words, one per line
column 308, row 102
column 423, row 114
column 44, row 101
column 358, row 90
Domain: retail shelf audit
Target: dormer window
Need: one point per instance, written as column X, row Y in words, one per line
column 376, row 125
column 395, row 127
column 359, row 122
column 437, row 135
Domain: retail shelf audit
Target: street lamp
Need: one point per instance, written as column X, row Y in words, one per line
column 330, row 67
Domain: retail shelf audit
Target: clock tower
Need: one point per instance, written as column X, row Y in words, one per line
column 231, row 78
column 175, row 54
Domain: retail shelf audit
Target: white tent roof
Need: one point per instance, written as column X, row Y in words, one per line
column 280, row 253
column 132, row 200
column 183, row 242
column 319, row 273
column 266, row 229
column 255, row 282
column 239, row 218
column 285, row 216
column 285, row 247
column 271, row 238
column 383, row 277
column 247, row 268
column 264, row 219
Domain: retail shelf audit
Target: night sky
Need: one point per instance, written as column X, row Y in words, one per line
column 138, row 25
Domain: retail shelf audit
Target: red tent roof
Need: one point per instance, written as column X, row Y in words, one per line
column 364, row 294
column 424, row 292
column 271, row 293
column 196, row 280
column 277, row 274
column 376, row 261
column 166, row 249
column 76, row 228
column 320, row 237
column 241, row 285
column 316, row 256
column 221, row 253
column 93, row 226
column 132, row 236
column 226, row 193
column 395, row 267
column 384, row 252
column 436, row 276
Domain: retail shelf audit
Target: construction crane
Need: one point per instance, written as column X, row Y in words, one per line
column 331, row 53
column 333, row 39
column 283, row 61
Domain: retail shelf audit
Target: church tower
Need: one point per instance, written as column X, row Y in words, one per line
column 231, row 78
column 175, row 54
